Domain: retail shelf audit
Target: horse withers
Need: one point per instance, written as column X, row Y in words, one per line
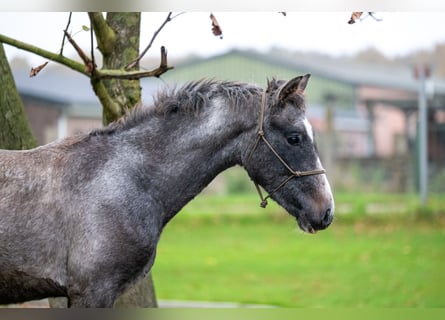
column 81, row 217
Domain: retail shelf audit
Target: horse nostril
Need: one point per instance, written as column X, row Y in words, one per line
column 327, row 218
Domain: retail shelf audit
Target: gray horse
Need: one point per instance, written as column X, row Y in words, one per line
column 81, row 217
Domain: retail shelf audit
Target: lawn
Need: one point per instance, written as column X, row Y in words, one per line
column 228, row 249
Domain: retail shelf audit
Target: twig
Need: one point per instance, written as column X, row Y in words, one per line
column 79, row 50
column 44, row 53
column 374, row 17
column 134, row 75
column 163, row 58
column 130, row 75
column 133, row 63
column 86, row 60
column 64, row 36
column 107, row 102
column 93, row 63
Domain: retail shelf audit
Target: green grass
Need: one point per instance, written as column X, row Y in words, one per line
column 228, row 249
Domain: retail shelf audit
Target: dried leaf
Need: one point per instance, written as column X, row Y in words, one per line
column 216, row 29
column 354, row 17
column 36, row 70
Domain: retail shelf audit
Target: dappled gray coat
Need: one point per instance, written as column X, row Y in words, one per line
column 81, row 217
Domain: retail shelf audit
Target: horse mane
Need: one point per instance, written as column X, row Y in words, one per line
column 191, row 98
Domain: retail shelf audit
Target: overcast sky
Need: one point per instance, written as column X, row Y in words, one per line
column 397, row 34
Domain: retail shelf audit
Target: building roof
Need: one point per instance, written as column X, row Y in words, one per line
column 339, row 71
column 69, row 91
column 349, row 71
column 67, row 87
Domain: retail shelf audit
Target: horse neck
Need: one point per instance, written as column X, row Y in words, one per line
column 180, row 154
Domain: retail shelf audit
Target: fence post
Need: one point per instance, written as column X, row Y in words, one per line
column 421, row 73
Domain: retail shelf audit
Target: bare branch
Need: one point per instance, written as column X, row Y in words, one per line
column 163, row 58
column 130, row 75
column 372, row 15
column 44, row 53
column 79, row 67
column 105, row 99
column 134, row 75
column 78, row 49
column 133, row 63
column 89, row 65
column 66, row 29
column 93, row 63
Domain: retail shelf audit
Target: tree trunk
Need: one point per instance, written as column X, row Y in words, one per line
column 15, row 132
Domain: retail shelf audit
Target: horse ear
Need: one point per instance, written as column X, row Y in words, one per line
column 295, row 86
column 270, row 85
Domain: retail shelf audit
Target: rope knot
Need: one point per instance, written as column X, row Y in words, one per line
column 261, row 133
column 263, row 204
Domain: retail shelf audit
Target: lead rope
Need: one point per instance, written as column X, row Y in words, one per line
column 294, row 174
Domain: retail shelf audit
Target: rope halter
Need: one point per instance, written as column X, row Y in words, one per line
column 293, row 173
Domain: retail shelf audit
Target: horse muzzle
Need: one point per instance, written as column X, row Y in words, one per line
column 311, row 223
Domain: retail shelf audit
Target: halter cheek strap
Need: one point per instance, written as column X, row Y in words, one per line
column 293, row 173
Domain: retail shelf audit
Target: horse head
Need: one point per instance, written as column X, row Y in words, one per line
column 284, row 159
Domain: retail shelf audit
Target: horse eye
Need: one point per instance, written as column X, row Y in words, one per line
column 294, row 139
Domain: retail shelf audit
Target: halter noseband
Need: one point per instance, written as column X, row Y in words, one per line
column 293, row 173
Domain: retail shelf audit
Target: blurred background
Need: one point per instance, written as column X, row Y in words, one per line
column 387, row 244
